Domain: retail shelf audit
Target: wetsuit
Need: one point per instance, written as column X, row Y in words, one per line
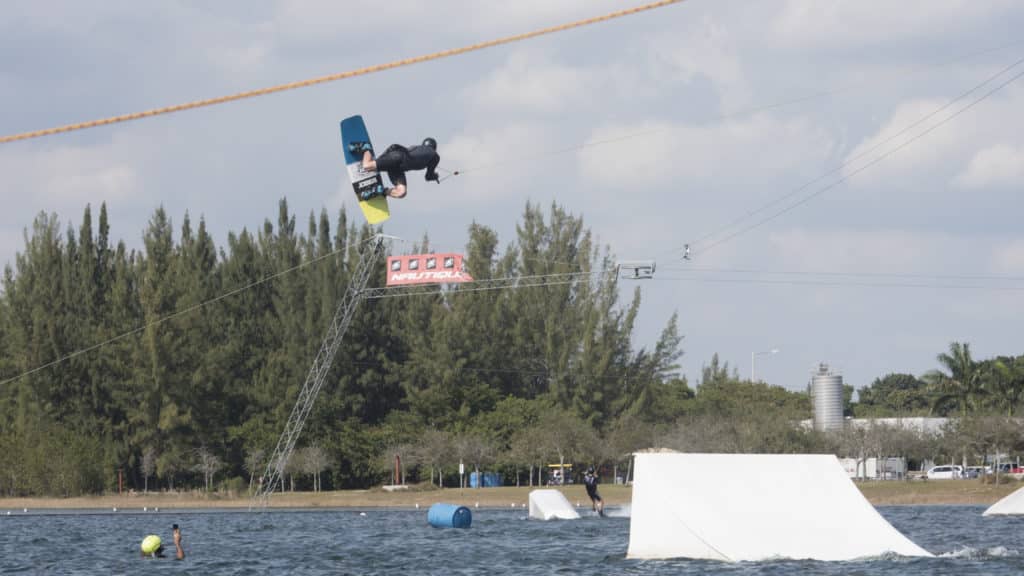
column 397, row 160
column 590, row 482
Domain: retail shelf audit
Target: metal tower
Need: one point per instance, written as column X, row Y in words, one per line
column 318, row 371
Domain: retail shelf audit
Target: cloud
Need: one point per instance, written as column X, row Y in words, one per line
column 532, row 83
column 999, row 165
column 69, row 176
column 909, row 119
column 490, row 171
column 702, row 49
column 827, row 24
column 859, row 250
column 320, row 20
column 657, row 153
column 1009, row 258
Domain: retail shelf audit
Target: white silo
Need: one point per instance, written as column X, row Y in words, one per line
column 827, row 399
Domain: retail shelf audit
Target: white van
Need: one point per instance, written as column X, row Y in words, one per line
column 946, row 472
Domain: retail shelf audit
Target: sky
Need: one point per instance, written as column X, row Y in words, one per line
column 842, row 203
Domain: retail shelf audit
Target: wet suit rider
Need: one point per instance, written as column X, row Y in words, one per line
column 590, row 481
column 396, row 161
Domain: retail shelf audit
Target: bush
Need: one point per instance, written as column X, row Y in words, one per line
column 234, row 486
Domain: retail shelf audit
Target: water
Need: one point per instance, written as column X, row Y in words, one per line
column 400, row 542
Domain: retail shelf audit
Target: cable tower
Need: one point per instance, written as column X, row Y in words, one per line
column 318, row 371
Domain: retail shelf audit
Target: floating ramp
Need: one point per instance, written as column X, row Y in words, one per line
column 1012, row 503
column 551, row 505
column 748, row 507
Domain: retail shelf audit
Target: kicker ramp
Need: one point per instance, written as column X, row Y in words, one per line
column 736, row 507
column 1012, row 503
column 551, row 504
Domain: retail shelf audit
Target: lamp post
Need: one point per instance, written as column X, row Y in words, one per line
column 754, row 355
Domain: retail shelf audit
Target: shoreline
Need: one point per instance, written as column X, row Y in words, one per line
column 878, row 493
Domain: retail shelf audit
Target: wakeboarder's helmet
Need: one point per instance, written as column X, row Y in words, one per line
column 430, row 143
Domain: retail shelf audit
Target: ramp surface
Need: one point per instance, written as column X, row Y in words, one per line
column 1012, row 503
column 747, row 507
column 551, row 505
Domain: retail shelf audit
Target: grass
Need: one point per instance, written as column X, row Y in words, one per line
column 879, row 493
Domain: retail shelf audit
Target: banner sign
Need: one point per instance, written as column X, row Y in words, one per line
column 426, row 269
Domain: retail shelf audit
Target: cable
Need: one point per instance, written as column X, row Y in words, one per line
column 876, row 160
column 862, row 154
column 338, row 76
column 899, row 275
column 860, row 284
column 518, row 160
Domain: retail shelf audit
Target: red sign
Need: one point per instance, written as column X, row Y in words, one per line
column 426, row 269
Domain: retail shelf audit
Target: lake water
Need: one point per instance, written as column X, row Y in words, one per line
column 400, row 543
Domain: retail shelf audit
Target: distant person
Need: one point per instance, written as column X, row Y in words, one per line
column 152, row 546
column 590, row 481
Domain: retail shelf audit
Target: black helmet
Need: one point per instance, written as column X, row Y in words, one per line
column 430, row 143
column 590, row 470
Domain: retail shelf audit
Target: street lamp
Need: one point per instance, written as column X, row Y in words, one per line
column 755, row 354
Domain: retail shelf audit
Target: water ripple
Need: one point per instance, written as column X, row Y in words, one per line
column 500, row 542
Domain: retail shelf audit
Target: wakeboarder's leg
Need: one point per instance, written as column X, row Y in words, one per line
column 369, row 164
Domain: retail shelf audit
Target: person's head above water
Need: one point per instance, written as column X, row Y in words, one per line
column 430, row 143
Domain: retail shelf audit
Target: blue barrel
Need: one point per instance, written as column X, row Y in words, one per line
column 449, row 516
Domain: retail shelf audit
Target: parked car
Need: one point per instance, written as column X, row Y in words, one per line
column 945, row 472
column 1004, row 468
column 976, row 471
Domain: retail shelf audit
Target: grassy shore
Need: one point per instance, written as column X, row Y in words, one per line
column 889, row 493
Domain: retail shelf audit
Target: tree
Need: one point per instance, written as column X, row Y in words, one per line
column 208, row 464
column 254, row 463
column 960, row 385
column 434, row 449
column 477, row 450
column 313, row 460
column 148, row 465
column 895, row 395
column 1005, row 382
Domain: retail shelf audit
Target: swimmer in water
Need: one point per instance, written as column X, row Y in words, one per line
column 152, row 547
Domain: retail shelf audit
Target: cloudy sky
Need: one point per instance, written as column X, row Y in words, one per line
column 842, row 202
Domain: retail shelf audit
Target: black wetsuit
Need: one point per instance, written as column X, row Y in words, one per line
column 397, row 160
column 590, row 481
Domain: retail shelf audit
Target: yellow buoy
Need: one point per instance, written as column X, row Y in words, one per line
column 150, row 544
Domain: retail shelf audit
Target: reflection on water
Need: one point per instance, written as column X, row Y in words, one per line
column 401, row 542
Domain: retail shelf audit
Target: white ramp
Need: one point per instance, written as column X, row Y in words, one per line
column 1012, row 503
column 551, row 504
column 736, row 507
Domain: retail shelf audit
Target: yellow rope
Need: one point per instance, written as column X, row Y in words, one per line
column 333, row 77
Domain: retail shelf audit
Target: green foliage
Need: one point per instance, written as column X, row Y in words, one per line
column 894, row 395
column 202, row 358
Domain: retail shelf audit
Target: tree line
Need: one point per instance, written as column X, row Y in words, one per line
column 176, row 365
column 116, row 359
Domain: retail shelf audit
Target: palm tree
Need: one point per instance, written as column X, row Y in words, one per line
column 962, row 384
column 1006, row 378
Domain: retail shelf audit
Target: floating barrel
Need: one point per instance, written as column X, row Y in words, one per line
column 449, row 516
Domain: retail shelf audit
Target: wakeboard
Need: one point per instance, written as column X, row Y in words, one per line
column 376, row 210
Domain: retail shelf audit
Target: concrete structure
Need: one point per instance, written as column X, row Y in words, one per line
column 551, row 504
column 827, row 399
column 1012, row 503
column 760, row 506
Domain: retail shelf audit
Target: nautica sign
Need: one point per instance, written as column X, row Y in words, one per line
column 426, row 269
